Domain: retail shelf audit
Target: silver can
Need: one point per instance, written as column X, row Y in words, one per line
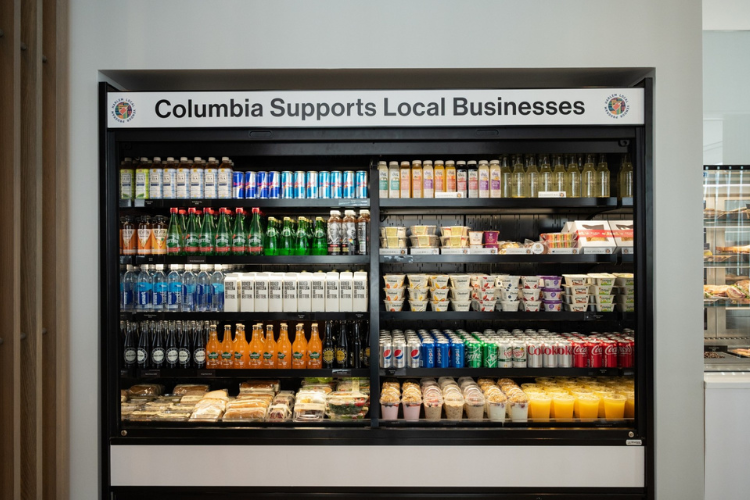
column 504, row 354
column 564, row 354
column 414, row 353
column 534, row 353
column 519, row 354
column 386, row 354
column 549, row 350
column 399, row 352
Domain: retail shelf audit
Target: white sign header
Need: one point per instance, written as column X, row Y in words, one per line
column 376, row 108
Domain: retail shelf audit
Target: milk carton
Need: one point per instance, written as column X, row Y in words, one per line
column 275, row 292
column 318, row 292
column 359, row 292
column 246, row 285
column 304, row 289
column 345, row 291
column 261, row 292
column 231, row 295
column 289, row 292
column 332, row 292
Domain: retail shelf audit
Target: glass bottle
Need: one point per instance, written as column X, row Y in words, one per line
column 143, row 353
column 356, row 354
column 602, row 177
column 284, row 349
column 349, row 233
column 172, row 350
column 532, row 178
column 223, row 238
column 255, row 235
column 185, row 353
column 182, row 219
column 227, row 353
column 572, row 179
column 506, row 179
column 130, row 349
column 269, row 349
column 255, row 348
column 239, row 236
column 363, row 232
column 191, row 233
column 157, row 347
column 329, row 350
column 287, row 240
column 207, row 238
column 545, row 175
column 213, row 350
column 241, row 348
column 314, row 349
column 588, row 178
column 271, row 239
column 518, row 178
column 320, row 241
column 199, row 345
column 335, row 233
column 558, row 175
column 302, row 246
column 299, row 348
column 174, row 235
column 626, row 179
column 342, row 346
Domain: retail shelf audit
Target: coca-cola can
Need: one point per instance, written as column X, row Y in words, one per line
column 609, row 353
column 534, row 353
column 549, row 350
column 595, row 353
column 564, row 350
column 625, row 349
column 519, row 354
column 386, row 354
column 580, row 354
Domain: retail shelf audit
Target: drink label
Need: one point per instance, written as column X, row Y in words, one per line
column 172, row 355
column 267, row 356
column 314, row 355
column 222, row 243
column 340, row 356
column 212, row 355
column 184, row 356
column 173, row 243
column 130, row 356
column 141, row 356
column 297, row 355
column 191, row 243
column 157, row 355
column 281, row 356
column 199, row 355
column 328, row 356
column 226, row 355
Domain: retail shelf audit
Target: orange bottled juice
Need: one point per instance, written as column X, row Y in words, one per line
column 255, row 348
column 240, row 347
column 213, row 350
column 227, row 351
column 315, row 349
column 284, row 349
column 450, row 177
column 269, row 349
column 299, row 348
column 439, row 175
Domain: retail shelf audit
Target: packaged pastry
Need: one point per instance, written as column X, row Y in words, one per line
column 253, row 410
column 172, row 415
column 190, row 389
column 220, row 394
column 268, row 385
column 146, row 390
column 123, row 395
column 209, row 410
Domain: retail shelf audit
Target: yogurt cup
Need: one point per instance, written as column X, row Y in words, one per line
column 394, row 306
column 490, row 238
column 394, row 294
column 531, row 306
column 389, row 411
column 532, row 294
column 418, row 280
column 460, row 281
column 496, row 411
column 552, row 281
column 576, row 289
column 576, row 307
column 461, row 295
column 519, row 412
column 394, row 280
column 509, row 305
column 475, row 237
column 576, row 279
column 530, row 282
column 483, row 305
column 509, row 295
column 552, row 305
column 411, row 411
column 439, row 281
column 483, row 294
column 576, row 299
column 439, row 295
column 552, row 294
column 509, row 282
column 600, row 290
column 461, row 305
column 601, row 307
column 603, row 299
column 418, row 305
column 417, row 293
column 439, row 306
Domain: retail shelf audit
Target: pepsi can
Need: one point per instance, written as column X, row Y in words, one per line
column 311, row 184
column 349, row 183
column 386, row 354
column 287, row 185
column 274, row 185
column 238, row 185
column 299, row 185
column 361, row 188
column 336, row 184
column 261, row 185
column 324, row 185
column 428, row 353
column 415, row 359
column 442, row 351
column 399, row 353
column 457, row 354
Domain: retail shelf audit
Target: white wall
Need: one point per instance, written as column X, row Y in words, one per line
column 193, row 34
column 726, row 15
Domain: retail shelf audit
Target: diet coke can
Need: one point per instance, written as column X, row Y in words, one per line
column 564, row 350
column 549, row 350
column 399, row 353
column 519, row 354
column 595, row 353
column 414, row 349
column 609, row 353
column 580, row 354
column 386, row 354
column 534, row 353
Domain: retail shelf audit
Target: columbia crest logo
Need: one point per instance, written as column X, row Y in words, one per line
column 123, row 110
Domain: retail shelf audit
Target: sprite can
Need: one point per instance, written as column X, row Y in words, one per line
column 489, row 355
column 473, row 356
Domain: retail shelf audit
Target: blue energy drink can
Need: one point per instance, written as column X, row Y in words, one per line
column 311, row 184
column 274, row 185
column 299, row 185
column 261, row 185
column 238, row 185
column 337, row 185
column 287, row 185
column 349, row 184
column 324, row 185
column 361, row 187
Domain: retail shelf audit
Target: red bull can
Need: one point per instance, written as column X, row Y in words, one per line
column 349, row 184
column 361, row 190
column 337, row 187
column 299, row 185
column 386, row 354
column 311, row 185
column 287, row 185
column 274, row 185
column 324, row 185
column 428, row 353
column 414, row 348
column 399, row 353
column 261, row 186
column 238, row 185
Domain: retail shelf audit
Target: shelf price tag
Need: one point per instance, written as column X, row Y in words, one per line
column 551, row 194
column 206, row 373
column 599, row 251
column 125, row 373
column 627, row 250
column 341, row 372
column 393, row 251
column 424, row 251
column 354, row 203
column 196, row 203
column 454, row 251
column 150, row 373
column 517, row 251
column 590, row 316
column 563, row 251
column 196, row 259
column 482, row 251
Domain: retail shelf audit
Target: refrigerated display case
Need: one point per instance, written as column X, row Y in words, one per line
column 579, row 336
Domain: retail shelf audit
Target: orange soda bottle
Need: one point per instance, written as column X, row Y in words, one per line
column 269, row 349
column 227, row 350
column 284, row 349
column 255, row 349
column 213, row 350
column 314, row 349
column 240, row 347
column 299, row 349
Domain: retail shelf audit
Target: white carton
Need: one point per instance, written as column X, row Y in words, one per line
column 231, row 297
column 622, row 230
column 591, row 233
column 318, row 292
column 289, row 292
column 247, row 292
column 275, row 292
column 304, row 289
column 261, row 292
column 346, row 291
column 332, row 292
column 359, row 287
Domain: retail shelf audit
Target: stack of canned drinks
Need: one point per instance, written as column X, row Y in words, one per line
column 504, row 349
column 300, row 185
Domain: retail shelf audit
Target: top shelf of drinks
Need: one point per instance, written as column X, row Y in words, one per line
column 517, row 176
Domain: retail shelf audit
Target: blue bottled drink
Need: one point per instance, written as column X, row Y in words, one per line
column 174, row 289
column 189, row 286
column 217, row 283
column 204, row 290
column 127, row 289
column 144, row 288
column 159, row 282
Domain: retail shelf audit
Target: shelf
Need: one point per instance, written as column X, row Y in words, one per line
column 486, row 423
column 232, row 203
column 504, row 316
column 255, row 260
column 727, row 226
column 247, row 374
column 187, row 424
column 509, row 205
column 726, row 265
column 507, row 259
column 502, row 372
column 725, row 304
column 243, row 316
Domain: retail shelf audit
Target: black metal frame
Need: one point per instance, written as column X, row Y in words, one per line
column 386, row 143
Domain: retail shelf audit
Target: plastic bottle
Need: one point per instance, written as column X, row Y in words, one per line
column 227, row 353
column 255, row 235
column 217, row 289
column 240, row 348
column 128, row 237
column 602, row 177
column 314, row 349
column 588, row 178
column 532, row 178
column 363, row 232
column 269, row 349
column 349, row 233
column 213, row 350
column 204, row 290
column 484, row 178
column 189, row 285
column 335, row 233
column 450, row 177
column 626, row 179
column 271, row 238
column 145, row 288
column 472, row 179
column 174, row 289
column 383, row 179
column 159, row 283
column 405, row 179
column 558, row 174
column 572, row 178
column 144, row 241
column 439, row 175
column 496, row 179
column 299, row 348
column 284, row 349
column 519, row 187
column 320, row 241
column 416, row 179
column 428, row 180
column 462, row 179
column 128, row 289
column 394, row 180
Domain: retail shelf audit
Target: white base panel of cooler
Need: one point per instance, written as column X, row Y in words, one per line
column 377, row 466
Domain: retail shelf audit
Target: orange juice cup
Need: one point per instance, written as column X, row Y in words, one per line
column 629, row 403
column 539, row 406
column 576, row 393
column 614, row 406
column 588, row 406
column 526, row 386
column 601, row 393
column 562, row 406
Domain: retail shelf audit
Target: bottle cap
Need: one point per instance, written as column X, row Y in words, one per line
column 157, row 158
column 494, row 162
column 382, row 164
column 393, row 164
column 405, row 164
column 183, row 158
column 170, row 158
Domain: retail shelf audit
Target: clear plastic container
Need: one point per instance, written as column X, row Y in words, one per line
column 309, row 412
column 347, row 405
column 453, row 403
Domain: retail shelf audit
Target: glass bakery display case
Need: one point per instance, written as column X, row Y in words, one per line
column 726, row 263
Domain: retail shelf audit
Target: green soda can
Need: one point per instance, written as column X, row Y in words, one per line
column 473, row 357
column 489, row 355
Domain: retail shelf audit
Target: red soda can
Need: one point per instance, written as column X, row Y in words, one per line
column 595, row 353
column 610, row 353
column 625, row 348
column 580, row 354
